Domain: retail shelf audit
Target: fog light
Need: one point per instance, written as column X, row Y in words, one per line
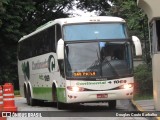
column 75, row 89
column 126, row 86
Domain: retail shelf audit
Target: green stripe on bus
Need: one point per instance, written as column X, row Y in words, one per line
column 45, row 93
column 61, row 93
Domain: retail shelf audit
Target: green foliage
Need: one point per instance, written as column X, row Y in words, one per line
column 90, row 5
column 135, row 17
column 20, row 17
column 17, row 18
column 136, row 20
column 16, row 92
column 10, row 33
column 143, row 97
column 143, row 79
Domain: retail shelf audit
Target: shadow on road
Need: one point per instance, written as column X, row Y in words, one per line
column 86, row 107
column 49, row 109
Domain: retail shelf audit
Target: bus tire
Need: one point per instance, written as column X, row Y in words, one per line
column 26, row 94
column 72, row 106
column 60, row 105
column 30, row 100
column 112, row 104
column 27, row 99
column 54, row 94
column 25, row 91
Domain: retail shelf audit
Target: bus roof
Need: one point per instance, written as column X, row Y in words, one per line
column 74, row 20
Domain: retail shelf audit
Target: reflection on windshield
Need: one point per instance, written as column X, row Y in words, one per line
column 80, row 57
column 115, row 58
column 98, row 59
column 94, row 31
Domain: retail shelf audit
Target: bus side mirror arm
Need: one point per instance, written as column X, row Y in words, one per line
column 137, row 44
column 60, row 49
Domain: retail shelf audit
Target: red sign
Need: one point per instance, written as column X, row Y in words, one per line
column 102, row 95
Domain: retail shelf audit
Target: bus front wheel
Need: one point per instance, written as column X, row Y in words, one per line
column 61, row 105
column 112, row 104
column 54, row 93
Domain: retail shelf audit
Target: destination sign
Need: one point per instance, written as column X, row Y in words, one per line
column 80, row 74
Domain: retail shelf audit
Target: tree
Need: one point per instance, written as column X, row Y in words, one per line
column 42, row 11
column 136, row 20
column 17, row 18
column 134, row 16
column 20, row 17
column 98, row 5
column 127, row 9
column 10, row 22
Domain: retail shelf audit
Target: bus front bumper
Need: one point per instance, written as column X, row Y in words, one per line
column 98, row 96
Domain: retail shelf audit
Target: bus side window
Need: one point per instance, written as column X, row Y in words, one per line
column 26, row 49
column 20, row 51
column 34, row 46
column 45, row 41
column 51, row 38
column 38, row 42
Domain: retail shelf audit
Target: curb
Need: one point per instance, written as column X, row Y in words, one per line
column 139, row 108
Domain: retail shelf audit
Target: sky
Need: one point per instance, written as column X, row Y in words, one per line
column 77, row 12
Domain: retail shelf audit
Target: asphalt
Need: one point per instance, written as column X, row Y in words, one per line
column 146, row 106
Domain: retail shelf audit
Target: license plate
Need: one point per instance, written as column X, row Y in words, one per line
column 102, row 95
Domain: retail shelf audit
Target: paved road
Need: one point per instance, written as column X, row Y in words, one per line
column 88, row 111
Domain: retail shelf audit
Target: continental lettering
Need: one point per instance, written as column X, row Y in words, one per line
column 39, row 65
column 91, row 83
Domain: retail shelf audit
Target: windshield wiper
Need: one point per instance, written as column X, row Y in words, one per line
column 113, row 69
column 94, row 64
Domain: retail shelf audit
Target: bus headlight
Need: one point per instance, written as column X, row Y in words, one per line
column 126, row 86
column 75, row 88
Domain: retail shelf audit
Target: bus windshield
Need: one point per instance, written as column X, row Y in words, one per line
column 94, row 31
column 98, row 60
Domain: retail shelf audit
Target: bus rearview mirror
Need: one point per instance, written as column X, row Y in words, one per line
column 60, row 49
column 137, row 44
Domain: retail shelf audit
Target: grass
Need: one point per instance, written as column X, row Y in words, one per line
column 143, row 97
column 16, row 92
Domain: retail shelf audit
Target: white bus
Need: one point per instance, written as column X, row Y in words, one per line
column 77, row 60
